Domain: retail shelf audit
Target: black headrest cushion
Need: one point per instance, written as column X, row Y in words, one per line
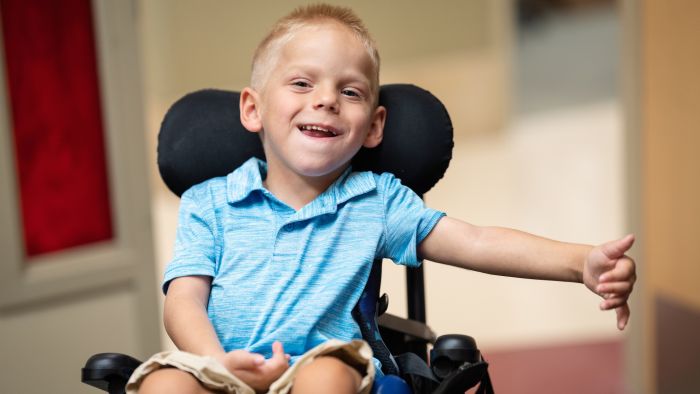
column 201, row 137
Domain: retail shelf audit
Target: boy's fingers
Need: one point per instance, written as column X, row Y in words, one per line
column 613, row 288
column 276, row 365
column 246, row 360
column 611, row 303
column 616, row 249
column 622, row 272
column 279, row 359
column 623, row 316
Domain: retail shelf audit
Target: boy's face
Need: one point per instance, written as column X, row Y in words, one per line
column 316, row 109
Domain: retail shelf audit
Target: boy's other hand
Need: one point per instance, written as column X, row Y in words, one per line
column 610, row 273
column 254, row 369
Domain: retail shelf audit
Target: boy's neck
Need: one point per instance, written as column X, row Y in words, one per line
column 298, row 190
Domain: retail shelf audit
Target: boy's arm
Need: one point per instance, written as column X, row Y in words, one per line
column 188, row 325
column 604, row 269
column 185, row 316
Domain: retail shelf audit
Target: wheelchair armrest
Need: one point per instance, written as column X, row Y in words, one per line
column 414, row 330
column 404, row 335
column 109, row 371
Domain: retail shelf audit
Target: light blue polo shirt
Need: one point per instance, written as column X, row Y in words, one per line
column 292, row 276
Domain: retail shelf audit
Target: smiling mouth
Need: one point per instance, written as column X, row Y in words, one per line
column 317, row 131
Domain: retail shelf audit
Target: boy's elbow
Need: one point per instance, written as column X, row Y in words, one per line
column 169, row 312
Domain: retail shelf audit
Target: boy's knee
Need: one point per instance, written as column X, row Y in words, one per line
column 327, row 373
column 171, row 380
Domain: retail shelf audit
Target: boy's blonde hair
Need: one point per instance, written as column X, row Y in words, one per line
column 267, row 52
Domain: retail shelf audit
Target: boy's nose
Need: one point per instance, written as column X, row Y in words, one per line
column 326, row 99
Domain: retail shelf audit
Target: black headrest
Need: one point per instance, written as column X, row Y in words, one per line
column 201, row 137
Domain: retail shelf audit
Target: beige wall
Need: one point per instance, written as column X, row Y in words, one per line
column 541, row 173
column 668, row 114
column 671, row 119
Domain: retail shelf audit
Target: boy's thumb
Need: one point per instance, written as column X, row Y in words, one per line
column 277, row 349
column 617, row 248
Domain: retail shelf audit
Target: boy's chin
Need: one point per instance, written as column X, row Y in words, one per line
column 321, row 170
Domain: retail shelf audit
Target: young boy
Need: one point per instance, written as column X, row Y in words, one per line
column 278, row 253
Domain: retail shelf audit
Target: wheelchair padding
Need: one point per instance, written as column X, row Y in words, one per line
column 201, row 137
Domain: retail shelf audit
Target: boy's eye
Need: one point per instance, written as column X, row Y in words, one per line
column 351, row 93
column 301, row 84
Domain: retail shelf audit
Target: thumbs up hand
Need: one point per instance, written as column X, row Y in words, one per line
column 610, row 273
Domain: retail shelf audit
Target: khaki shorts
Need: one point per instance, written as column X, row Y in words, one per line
column 214, row 376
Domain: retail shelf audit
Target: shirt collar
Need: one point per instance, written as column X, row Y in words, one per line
column 249, row 177
column 245, row 179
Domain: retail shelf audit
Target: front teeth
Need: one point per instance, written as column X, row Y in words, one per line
column 317, row 128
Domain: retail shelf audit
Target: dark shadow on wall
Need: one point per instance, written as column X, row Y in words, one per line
column 677, row 347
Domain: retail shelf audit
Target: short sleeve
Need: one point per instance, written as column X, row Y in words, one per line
column 195, row 244
column 407, row 221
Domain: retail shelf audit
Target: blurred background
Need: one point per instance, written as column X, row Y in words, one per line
column 574, row 119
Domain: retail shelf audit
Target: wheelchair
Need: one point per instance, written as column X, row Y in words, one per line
column 201, row 137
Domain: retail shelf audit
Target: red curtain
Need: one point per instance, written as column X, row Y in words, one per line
column 56, row 118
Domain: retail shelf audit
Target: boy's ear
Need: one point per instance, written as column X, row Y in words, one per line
column 250, row 110
column 376, row 128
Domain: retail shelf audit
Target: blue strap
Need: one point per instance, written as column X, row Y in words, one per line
column 390, row 384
